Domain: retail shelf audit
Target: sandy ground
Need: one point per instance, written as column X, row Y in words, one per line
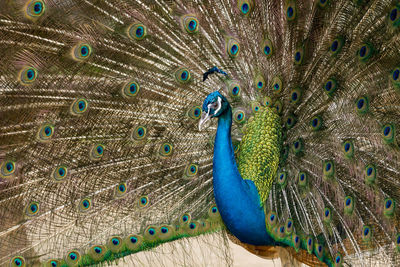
column 206, row 257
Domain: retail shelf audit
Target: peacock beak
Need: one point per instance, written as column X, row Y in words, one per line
column 212, row 109
column 204, row 118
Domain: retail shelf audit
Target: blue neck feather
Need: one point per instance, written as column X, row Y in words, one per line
column 237, row 200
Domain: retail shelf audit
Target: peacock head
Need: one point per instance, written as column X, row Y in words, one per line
column 214, row 106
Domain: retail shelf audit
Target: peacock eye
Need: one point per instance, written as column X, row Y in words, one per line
column 291, row 11
column 7, row 168
column 143, row 201
column 32, row 209
column 267, row 48
column 182, row 75
column 233, row 47
column 191, row 24
column 35, row 9
column 60, row 173
column 97, row 152
column 81, row 51
column 139, row 132
column 28, row 75
column 17, row 262
column 79, row 106
column 130, row 89
column 85, row 204
column 137, row 31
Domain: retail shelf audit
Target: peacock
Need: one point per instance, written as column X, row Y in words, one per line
column 128, row 124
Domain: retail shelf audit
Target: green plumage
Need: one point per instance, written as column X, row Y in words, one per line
column 260, row 150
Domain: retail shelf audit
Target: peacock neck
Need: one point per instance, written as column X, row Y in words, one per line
column 237, row 199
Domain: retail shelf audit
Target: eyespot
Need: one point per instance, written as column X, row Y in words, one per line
column 234, row 89
column 322, row 3
column 296, row 242
column 397, row 242
column 295, row 96
column 245, row 6
column 289, row 226
column 276, row 85
column 213, row 212
column 302, row 178
column 151, row 233
column 362, row 105
column 394, row 16
column 267, row 101
column 190, row 23
column 348, row 149
column 309, row 243
column 137, row 31
column 290, row 121
column 143, row 201
column 389, row 207
column 366, row 233
column 259, row 82
column 35, row 9
column 7, row 168
column 121, row 189
column 239, row 116
column 336, row 46
column 59, row 173
column 291, row 11
column 278, row 106
column 52, row 263
column 139, row 132
column 329, row 169
column 299, row 56
column 255, row 106
column 327, row 215
column 395, row 77
column 348, row 205
column 267, row 48
column 79, row 106
column 81, row 51
column 191, row 170
column 330, row 86
column 272, row 219
column 133, row 242
column 316, row 123
column 185, row 218
column 195, row 112
column 28, row 75
column 192, row 226
column 281, row 178
column 365, row 52
column 182, row 75
column 115, row 244
column 17, row 262
column 130, row 90
column 166, row 232
column 166, row 149
column 85, row 204
column 319, row 249
column 388, row 133
column 298, row 146
column 232, row 47
column 97, row 152
column 73, row 258
column 97, row 252
column 370, row 174
column 45, row 132
column 338, row 259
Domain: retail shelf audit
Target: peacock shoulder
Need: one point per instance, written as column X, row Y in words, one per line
column 259, row 150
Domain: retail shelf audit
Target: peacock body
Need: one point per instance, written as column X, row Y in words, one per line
column 103, row 146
